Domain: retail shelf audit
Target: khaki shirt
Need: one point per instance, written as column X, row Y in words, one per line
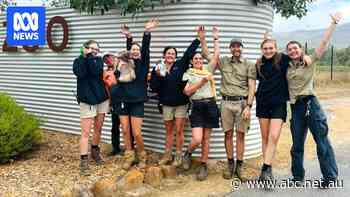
column 235, row 75
column 300, row 79
column 206, row 90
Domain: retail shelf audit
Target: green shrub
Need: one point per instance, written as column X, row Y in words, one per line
column 19, row 131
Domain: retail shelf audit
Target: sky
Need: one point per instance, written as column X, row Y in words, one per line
column 317, row 17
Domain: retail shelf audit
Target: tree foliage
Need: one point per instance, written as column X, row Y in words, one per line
column 288, row 8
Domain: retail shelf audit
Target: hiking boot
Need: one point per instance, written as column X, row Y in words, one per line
column 96, row 156
column 202, row 172
column 267, row 178
column 84, row 167
column 142, row 156
column 240, row 172
column 166, row 158
column 228, row 171
column 186, row 161
column 129, row 158
column 178, row 159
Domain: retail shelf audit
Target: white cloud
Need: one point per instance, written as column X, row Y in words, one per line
column 317, row 17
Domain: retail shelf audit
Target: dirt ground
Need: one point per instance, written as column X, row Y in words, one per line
column 52, row 166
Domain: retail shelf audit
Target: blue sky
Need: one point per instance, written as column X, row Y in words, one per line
column 317, row 17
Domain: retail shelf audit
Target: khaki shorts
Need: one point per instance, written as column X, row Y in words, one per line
column 231, row 116
column 90, row 111
column 171, row 112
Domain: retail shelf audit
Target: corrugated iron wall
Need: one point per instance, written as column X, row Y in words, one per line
column 43, row 81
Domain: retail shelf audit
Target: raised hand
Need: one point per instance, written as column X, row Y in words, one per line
column 125, row 30
column 151, row 24
column 200, row 32
column 336, row 17
column 215, row 32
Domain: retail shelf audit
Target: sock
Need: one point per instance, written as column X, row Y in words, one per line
column 239, row 162
column 83, row 157
column 94, row 146
column 265, row 167
column 230, row 161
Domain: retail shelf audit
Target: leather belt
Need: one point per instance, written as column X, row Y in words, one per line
column 234, row 98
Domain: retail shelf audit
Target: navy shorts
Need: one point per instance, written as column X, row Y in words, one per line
column 129, row 109
column 204, row 114
column 272, row 111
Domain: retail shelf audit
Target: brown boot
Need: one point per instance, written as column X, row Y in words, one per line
column 228, row 171
column 166, row 158
column 178, row 159
column 202, row 173
column 142, row 156
column 129, row 158
column 84, row 167
column 96, row 155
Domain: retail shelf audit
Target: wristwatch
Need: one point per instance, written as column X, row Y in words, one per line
column 250, row 105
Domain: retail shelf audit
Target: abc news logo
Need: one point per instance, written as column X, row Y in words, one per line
column 29, row 29
column 26, row 26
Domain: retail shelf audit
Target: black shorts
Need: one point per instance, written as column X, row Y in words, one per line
column 204, row 114
column 272, row 111
column 129, row 109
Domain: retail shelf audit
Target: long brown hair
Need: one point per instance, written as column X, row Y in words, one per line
column 276, row 59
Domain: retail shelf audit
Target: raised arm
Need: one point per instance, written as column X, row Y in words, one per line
column 189, row 53
column 146, row 40
column 327, row 36
column 201, row 34
column 125, row 30
column 215, row 59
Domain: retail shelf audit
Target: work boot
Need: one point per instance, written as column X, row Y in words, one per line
column 186, row 161
column 240, row 171
column 129, row 158
column 228, row 171
column 142, row 156
column 84, row 167
column 96, row 156
column 267, row 178
column 202, row 172
column 166, row 158
column 178, row 159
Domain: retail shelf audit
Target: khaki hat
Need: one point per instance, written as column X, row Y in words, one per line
column 236, row 41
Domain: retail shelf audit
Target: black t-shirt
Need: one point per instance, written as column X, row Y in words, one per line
column 273, row 86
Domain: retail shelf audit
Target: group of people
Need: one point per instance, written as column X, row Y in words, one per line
column 185, row 86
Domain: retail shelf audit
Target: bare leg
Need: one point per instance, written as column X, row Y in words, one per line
column 85, row 124
column 180, row 124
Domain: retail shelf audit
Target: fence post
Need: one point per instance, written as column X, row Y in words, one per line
column 306, row 48
column 332, row 61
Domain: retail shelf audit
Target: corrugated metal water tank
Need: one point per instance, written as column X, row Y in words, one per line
column 43, row 81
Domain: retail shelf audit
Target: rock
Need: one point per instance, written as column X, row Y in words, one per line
column 169, row 171
column 153, row 176
column 143, row 191
column 132, row 180
column 76, row 191
column 105, row 188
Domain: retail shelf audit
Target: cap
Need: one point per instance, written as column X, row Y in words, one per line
column 105, row 54
column 236, row 41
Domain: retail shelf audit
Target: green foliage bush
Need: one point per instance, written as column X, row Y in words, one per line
column 19, row 131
